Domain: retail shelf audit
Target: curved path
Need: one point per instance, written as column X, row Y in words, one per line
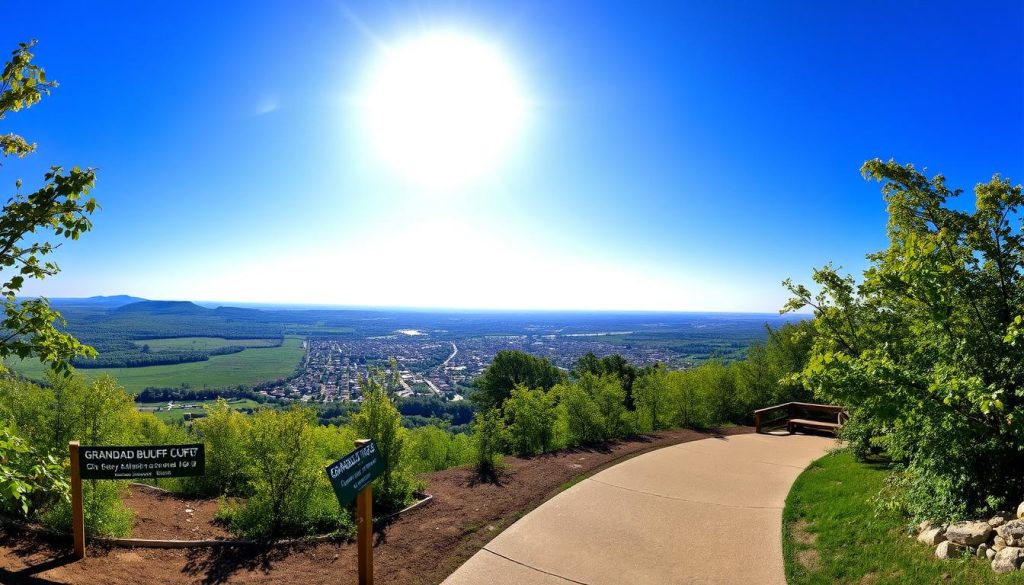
column 707, row 511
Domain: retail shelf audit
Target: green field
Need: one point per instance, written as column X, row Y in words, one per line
column 178, row 414
column 201, row 343
column 252, row 366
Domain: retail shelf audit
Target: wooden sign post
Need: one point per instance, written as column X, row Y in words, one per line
column 352, row 477
column 364, row 529
column 139, row 462
column 77, row 513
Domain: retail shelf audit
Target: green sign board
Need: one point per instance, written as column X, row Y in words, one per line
column 146, row 462
column 353, row 472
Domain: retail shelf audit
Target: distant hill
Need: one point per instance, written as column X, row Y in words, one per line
column 107, row 302
column 163, row 308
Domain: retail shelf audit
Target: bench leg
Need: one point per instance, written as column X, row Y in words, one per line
column 790, row 427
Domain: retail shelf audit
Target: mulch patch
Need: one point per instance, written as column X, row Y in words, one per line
column 422, row 546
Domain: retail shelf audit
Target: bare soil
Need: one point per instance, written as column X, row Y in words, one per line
column 422, row 546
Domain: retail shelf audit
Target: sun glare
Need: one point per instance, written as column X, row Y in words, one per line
column 443, row 109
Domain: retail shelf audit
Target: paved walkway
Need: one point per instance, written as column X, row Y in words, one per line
column 707, row 511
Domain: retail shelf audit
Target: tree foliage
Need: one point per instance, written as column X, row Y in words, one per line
column 926, row 347
column 60, row 206
column 510, row 369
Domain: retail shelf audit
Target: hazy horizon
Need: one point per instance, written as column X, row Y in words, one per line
column 414, row 309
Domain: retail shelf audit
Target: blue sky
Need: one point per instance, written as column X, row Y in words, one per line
column 672, row 156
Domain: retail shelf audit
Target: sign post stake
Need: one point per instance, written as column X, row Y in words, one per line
column 364, row 529
column 77, row 514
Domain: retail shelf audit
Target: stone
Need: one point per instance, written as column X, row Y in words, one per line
column 990, row 554
column 1012, row 532
column 968, row 533
column 948, row 550
column 999, row 519
column 982, row 550
column 998, row 543
column 1007, row 560
column 932, row 536
column 926, row 525
column 1020, row 510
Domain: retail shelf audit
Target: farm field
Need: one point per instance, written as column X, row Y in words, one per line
column 201, row 343
column 252, row 366
column 160, row 408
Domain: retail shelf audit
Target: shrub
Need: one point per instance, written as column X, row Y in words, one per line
column 224, row 432
column 579, row 414
column 378, row 419
column 284, row 474
column 103, row 505
column 655, row 401
column 433, row 448
column 488, row 439
column 530, row 417
column 29, row 480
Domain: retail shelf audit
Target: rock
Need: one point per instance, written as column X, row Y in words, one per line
column 932, row 536
column 968, row 533
column 948, row 550
column 982, row 550
column 926, row 525
column 1007, row 560
column 998, row 543
column 999, row 519
column 990, row 554
column 1020, row 510
column 1012, row 532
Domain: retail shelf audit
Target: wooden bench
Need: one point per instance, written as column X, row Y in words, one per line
column 796, row 416
column 794, row 423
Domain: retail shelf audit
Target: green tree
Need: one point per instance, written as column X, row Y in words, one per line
column 282, row 472
column 488, row 441
column 60, row 206
column 655, row 400
column 925, row 348
column 530, row 417
column 379, row 419
column 223, row 433
column 509, row 369
column 433, row 448
column 611, row 365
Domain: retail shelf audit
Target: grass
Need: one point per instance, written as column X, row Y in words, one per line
column 252, row 366
column 833, row 534
column 179, row 414
column 201, row 343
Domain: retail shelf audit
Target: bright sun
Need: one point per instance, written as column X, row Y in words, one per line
column 443, row 108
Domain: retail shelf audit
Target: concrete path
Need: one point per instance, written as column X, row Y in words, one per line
column 707, row 511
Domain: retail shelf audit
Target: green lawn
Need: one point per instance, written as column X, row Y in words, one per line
column 201, row 343
column 252, row 366
column 178, row 414
column 832, row 534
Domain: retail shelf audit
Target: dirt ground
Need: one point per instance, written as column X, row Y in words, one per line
column 422, row 546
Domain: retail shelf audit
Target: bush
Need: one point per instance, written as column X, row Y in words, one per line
column 378, row 419
column 224, row 433
column 29, row 480
column 433, row 448
column 530, row 418
column 285, row 477
column 655, row 400
column 103, row 505
column 488, row 439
